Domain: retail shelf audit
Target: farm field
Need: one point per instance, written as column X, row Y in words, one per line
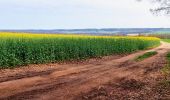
column 92, row 68
column 23, row 49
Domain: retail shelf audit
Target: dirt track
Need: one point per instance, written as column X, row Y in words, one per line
column 74, row 80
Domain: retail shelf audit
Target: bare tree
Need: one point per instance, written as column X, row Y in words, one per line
column 163, row 6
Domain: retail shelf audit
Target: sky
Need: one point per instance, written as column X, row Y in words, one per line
column 78, row 14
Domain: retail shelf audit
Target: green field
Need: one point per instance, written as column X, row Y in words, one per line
column 23, row 49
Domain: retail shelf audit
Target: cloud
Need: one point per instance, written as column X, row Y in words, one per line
column 78, row 14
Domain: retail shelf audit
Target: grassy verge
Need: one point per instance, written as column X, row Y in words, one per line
column 146, row 55
column 165, row 83
column 166, row 40
column 166, row 69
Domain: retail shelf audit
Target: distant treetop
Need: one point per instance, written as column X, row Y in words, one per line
column 163, row 6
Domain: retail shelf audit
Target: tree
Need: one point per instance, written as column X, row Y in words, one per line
column 163, row 6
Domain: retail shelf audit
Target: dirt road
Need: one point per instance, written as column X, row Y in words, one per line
column 72, row 81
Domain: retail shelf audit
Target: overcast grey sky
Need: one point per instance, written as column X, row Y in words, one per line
column 61, row 14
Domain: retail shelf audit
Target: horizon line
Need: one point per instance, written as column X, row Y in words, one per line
column 88, row 28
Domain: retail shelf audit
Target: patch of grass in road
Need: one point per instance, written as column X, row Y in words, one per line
column 146, row 55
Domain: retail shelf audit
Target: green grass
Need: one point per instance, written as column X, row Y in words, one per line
column 23, row 49
column 146, row 55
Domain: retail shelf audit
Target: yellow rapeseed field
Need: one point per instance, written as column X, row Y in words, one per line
column 18, row 49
